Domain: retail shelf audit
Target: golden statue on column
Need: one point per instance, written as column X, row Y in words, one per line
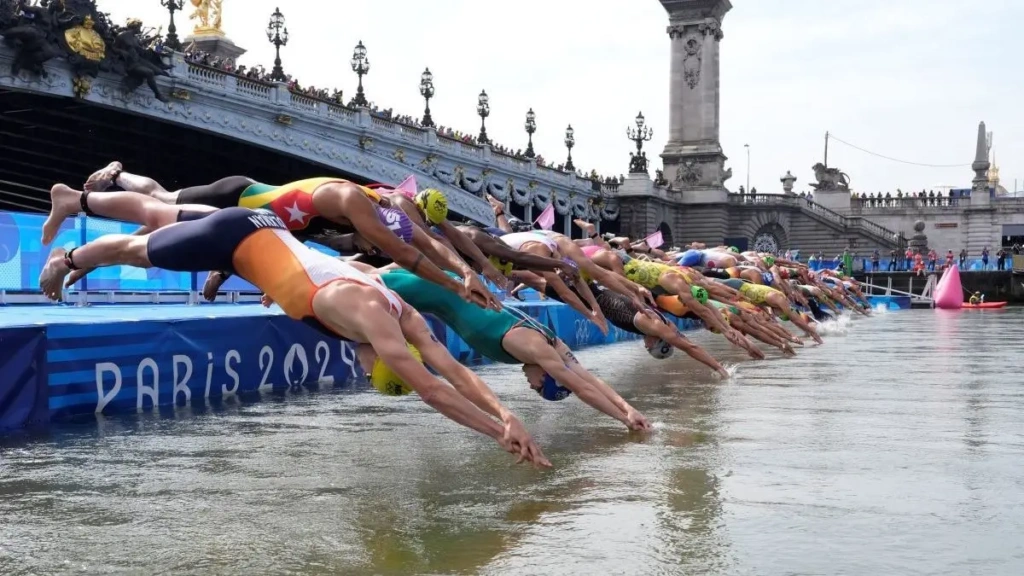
column 208, row 13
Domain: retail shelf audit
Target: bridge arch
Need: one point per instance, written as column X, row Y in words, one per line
column 666, row 234
column 770, row 227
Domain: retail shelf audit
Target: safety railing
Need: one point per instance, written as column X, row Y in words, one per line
column 22, row 257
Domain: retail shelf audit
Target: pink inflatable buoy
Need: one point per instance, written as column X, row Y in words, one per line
column 949, row 293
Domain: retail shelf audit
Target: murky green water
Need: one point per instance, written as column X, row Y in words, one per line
column 895, row 449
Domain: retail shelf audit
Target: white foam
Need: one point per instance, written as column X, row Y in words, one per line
column 881, row 309
column 732, row 369
column 840, row 326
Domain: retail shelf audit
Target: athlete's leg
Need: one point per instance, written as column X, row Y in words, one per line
column 124, row 206
column 110, row 250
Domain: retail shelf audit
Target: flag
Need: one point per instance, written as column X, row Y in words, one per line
column 408, row 187
column 655, row 240
column 547, row 218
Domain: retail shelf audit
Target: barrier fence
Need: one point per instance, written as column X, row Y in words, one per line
column 22, row 257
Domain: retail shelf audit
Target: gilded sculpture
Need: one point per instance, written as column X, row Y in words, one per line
column 85, row 41
column 208, row 13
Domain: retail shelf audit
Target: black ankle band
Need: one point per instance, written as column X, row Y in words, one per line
column 69, row 260
column 84, row 201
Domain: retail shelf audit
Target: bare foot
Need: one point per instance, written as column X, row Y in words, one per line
column 64, row 202
column 103, row 178
column 51, row 279
column 495, row 203
column 214, row 280
column 587, row 227
column 76, row 275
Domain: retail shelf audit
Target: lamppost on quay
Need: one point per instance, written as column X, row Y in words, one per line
column 277, row 34
column 570, row 141
column 171, row 41
column 531, row 127
column 639, row 135
column 361, row 66
column 483, row 109
column 427, row 91
column 747, row 146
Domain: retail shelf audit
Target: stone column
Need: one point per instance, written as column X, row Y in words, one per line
column 979, row 186
column 693, row 156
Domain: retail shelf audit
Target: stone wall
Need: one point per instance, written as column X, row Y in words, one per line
column 955, row 227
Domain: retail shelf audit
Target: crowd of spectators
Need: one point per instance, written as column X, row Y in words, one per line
column 259, row 73
column 922, row 198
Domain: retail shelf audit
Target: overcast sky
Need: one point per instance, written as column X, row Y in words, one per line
column 909, row 79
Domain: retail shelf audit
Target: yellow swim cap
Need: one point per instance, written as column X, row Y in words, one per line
column 433, row 204
column 386, row 381
column 503, row 266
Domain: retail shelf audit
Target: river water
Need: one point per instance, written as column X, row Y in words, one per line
column 895, row 448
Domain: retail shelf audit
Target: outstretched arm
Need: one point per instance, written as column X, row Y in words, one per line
column 469, row 385
column 448, row 260
column 491, row 246
column 465, row 245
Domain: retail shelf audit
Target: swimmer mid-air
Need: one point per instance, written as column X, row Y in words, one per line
column 311, row 287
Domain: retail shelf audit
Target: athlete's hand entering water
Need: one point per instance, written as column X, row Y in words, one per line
column 522, row 443
column 637, row 421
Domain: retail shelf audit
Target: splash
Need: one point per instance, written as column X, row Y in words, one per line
column 840, row 326
column 881, row 309
column 732, row 369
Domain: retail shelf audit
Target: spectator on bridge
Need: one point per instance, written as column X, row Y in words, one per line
column 949, row 259
column 963, row 258
column 932, row 258
column 1001, row 259
column 1016, row 249
column 812, row 261
column 918, row 263
column 892, row 260
column 984, row 258
column 908, row 258
column 875, row 258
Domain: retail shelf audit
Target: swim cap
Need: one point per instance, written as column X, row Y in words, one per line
column 734, row 249
column 660, row 349
column 691, row 258
column 496, row 232
column 503, row 266
column 397, row 222
column 641, row 272
column 386, row 381
column 433, row 204
column 767, row 278
column 571, row 262
column 700, row 294
column 622, row 255
column 769, row 260
column 518, row 225
column 710, row 264
column 551, row 390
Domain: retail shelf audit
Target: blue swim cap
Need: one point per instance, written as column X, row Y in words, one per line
column 495, row 231
column 571, row 262
column 397, row 222
column 691, row 258
column 551, row 390
column 767, row 278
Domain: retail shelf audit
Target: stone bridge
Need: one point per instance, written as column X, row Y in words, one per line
column 217, row 124
column 770, row 222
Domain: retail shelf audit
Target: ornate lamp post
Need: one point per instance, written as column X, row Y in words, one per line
column 427, row 91
column 531, row 127
column 639, row 135
column 483, row 109
column 361, row 66
column 277, row 33
column 570, row 141
column 171, row 41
